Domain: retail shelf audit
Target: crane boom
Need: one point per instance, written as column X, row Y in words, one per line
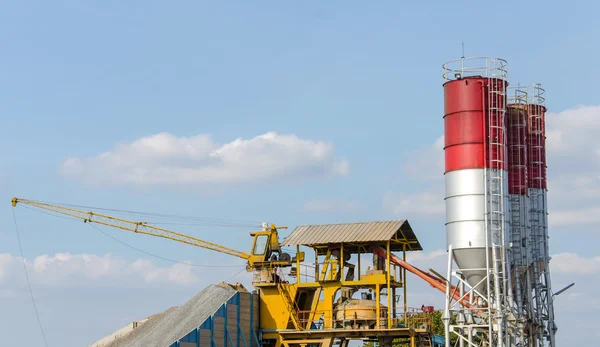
column 136, row 227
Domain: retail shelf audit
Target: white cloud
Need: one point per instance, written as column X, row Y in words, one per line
column 562, row 126
column 428, row 203
column 6, row 260
column 436, row 259
column 333, row 205
column 112, row 291
column 571, row 263
column 426, row 163
column 573, row 166
column 67, row 270
column 167, row 159
column 177, row 273
column 565, row 217
column 436, row 256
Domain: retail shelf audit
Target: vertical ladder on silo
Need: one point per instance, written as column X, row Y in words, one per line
column 518, row 213
column 537, row 218
column 517, row 239
column 496, row 153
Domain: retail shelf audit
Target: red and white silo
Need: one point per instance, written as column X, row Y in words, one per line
column 476, row 168
column 539, row 272
column 517, row 125
column 536, row 149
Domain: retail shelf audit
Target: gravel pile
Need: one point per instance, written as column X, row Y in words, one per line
column 176, row 322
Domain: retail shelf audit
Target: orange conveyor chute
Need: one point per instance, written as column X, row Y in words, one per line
column 434, row 281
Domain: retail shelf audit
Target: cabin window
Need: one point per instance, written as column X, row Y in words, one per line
column 260, row 245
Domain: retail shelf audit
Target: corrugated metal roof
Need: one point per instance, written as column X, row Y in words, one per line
column 361, row 232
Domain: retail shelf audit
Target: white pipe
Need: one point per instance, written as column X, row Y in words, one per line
column 446, row 316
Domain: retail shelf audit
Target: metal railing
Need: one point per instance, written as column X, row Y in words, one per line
column 356, row 318
column 475, row 66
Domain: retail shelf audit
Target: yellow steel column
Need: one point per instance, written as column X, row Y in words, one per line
column 342, row 262
column 389, row 287
column 327, row 342
column 404, row 279
column 377, row 306
column 394, row 312
column 412, row 340
column 298, row 272
column 358, row 262
column 400, row 275
column 317, row 273
column 331, row 265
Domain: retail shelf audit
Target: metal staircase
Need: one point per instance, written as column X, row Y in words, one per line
column 425, row 341
column 289, row 302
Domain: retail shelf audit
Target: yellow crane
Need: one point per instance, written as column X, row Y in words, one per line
column 265, row 253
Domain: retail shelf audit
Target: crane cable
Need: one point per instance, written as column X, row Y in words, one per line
column 37, row 315
column 128, row 245
column 206, row 221
column 158, row 256
column 28, row 282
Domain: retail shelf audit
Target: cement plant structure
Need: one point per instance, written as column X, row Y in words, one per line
column 313, row 290
column 496, row 210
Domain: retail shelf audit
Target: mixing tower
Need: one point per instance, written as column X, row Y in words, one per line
column 477, row 202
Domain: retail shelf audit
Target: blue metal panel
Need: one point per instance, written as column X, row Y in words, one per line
column 252, row 331
column 239, row 328
column 438, row 341
column 193, row 336
column 228, row 335
column 252, row 320
column 235, row 300
column 213, row 343
column 225, row 327
column 222, row 311
column 209, row 324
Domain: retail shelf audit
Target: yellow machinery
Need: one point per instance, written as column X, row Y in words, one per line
column 327, row 302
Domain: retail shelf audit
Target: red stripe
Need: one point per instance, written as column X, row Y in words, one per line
column 536, row 147
column 466, row 126
column 467, row 156
column 516, row 123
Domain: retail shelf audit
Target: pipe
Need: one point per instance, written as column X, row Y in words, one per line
column 446, row 316
column 427, row 277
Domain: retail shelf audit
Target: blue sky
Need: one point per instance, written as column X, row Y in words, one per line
column 78, row 78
